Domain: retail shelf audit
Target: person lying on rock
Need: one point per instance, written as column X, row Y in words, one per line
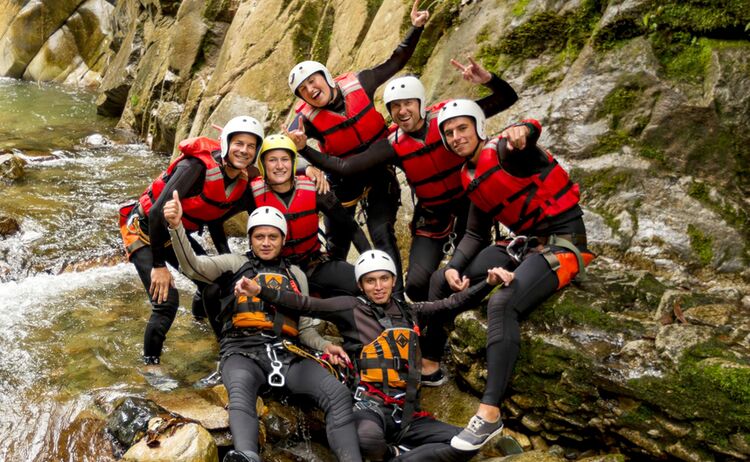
column 414, row 145
column 211, row 176
column 511, row 181
column 380, row 331
column 340, row 114
column 252, row 339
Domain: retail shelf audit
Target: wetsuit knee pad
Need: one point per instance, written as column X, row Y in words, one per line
column 499, row 314
column 336, row 400
column 371, row 439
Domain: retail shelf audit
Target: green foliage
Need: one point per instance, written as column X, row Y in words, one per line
column 619, row 102
column 134, row 100
column 701, row 244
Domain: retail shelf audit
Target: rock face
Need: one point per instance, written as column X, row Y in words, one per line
column 645, row 102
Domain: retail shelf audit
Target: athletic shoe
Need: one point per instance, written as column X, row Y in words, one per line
column 478, row 432
column 435, row 379
column 157, row 378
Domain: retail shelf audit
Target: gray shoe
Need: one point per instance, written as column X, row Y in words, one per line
column 209, row 381
column 476, row 433
column 435, row 379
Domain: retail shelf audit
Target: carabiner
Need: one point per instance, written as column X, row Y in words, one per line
column 275, row 378
column 450, row 245
column 517, row 254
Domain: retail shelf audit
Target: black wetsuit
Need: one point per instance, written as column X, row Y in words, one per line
column 357, row 322
column 425, row 253
column 534, row 279
column 383, row 199
column 187, row 179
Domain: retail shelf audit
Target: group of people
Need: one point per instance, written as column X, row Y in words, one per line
column 261, row 304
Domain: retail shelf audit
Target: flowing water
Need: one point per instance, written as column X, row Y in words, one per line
column 72, row 312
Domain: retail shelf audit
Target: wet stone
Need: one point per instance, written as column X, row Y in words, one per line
column 741, row 442
column 187, row 443
column 129, row 420
column 11, row 167
column 8, row 226
column 710, row 315
column 684, row 452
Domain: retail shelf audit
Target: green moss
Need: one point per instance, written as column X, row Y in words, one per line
column 619, row 102
column 737, row 218
column 641, row 418
column 610, row 142
column 701, row 244
column 442, row 18
column 474, row 335
column 372, row 9
column 519, row 9
column 698, row 388
column 603, row 182
column 134, row 100
column 574, row 308
column 684, row 58
column 312, row 36
column 650, row 152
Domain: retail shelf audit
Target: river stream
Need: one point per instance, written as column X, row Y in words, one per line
column 72, row 311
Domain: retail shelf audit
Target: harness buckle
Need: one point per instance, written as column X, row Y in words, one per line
column 275, row 378
column 396, row 410
column 517, row 248
column 359, row 393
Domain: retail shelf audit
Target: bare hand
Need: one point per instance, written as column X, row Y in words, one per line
column 247, row 287
column 473, row 72
column 319, row 178
column 336, row 355
column 455, row 281
column 516, row 136
column 173, row 211
column 161, row 281
column 418, row 17
column 298, row 135
column 499, row 275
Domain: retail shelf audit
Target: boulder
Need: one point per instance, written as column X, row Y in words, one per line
column 11, row 166
column 188, row 442
column 8, row 226
column 129, row 420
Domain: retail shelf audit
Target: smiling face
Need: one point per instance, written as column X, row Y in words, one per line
column 405, row 112
column 315, row 90
column 378, row 286
column 242, row 149
column 266, row 242
column 461, row 136
column 277, row 166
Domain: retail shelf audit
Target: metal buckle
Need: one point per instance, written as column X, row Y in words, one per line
column 275, row 378
column 358, row 393
column 396, row 410
column 397, row 363
column 516, row 254
column 450, row 246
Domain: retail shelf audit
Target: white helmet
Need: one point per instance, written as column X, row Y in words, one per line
column 408, row 87
column 462, row 108
column 266, row 216
column 240, row 124
column 373, row 260
column 305, row 69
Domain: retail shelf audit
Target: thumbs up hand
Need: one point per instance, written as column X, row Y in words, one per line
column 173, row 211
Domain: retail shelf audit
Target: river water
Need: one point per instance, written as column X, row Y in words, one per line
column 72, row 312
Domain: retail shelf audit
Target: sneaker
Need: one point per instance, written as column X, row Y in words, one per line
column 209, row 381
column 435, row 379
column 476, row 433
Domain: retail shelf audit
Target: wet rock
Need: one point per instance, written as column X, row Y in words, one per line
column 741, row 442
column 530, row 456
column 683, row 452
column 8, row 226
column 281, row 422
column 604, row 458
column 303, row 452
column 187, row 443
column 673, row 340
column 710, row 315
column 97, row 140
column 165, row 117
column 192, row 405
column 532, row 422
column 538, row 443
column 11, row 166
column 128, row 421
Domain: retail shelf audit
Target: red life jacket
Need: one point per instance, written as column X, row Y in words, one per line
column 215, row 199
column 345, row 134
column 433, row 171
column 518, row 203
column 301, row 216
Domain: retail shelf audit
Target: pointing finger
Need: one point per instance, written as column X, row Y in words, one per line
column 458, row 65
column 415, row 7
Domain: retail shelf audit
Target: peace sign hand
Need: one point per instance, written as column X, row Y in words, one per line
column 418, row 17
column 473, row 72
